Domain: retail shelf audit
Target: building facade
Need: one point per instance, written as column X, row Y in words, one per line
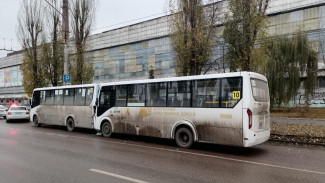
column 129, row 52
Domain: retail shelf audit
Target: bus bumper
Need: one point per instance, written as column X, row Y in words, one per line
column 255, row 138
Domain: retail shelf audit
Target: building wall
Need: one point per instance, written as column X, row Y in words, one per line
column 128, row 52
column 133, row 60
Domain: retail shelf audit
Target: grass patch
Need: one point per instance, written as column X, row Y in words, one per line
column 298, row 130
column 298, row 133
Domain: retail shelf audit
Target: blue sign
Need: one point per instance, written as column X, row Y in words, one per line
column 67, row 78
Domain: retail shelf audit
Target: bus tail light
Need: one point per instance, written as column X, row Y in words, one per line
column 250, row 123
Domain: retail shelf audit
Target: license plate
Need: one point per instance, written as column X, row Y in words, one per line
column 19, row 113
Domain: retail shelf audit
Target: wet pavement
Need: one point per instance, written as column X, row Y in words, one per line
column 51, row 154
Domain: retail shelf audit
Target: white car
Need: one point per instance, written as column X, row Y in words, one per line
column 17, row 113
column 3, row 111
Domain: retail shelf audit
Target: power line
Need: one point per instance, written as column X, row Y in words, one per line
column 53, row 7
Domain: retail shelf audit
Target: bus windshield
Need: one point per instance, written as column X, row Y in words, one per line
column 260, row 90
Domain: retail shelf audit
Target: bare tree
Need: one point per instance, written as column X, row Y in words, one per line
column 82, row 19
column 52, row 51
column 30, row 28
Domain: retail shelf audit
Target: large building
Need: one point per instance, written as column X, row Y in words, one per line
column 128, row 52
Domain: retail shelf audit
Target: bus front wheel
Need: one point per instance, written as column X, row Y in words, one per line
column 35, row 121
column 106, row 129
column 184, row 137
column 70, row 125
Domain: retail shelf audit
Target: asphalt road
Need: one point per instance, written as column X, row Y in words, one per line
column 51, row 154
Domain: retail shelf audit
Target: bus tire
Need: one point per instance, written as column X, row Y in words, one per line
column 184, row 137
column 106, row 129
column 70, row 125
column 35, row 121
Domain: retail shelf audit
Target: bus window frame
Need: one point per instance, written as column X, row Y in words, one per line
column 191, row 92
column 241, row 91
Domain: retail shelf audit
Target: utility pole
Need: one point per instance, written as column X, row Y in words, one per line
column 65, row 25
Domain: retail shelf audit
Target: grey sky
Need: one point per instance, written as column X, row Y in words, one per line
column 110, row 14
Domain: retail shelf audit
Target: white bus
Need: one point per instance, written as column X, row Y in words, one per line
column 70, row 106
column 230, row 108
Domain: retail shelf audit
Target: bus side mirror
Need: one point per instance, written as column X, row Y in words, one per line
column 96, row 103
column 30, row 101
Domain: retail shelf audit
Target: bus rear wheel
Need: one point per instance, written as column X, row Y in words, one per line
column 184, row 137
column 70, row 125
column 106, row 129
column 35, row 121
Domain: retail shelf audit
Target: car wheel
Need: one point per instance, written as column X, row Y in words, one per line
column 7, row 120
column 35, row 121
column 184, row 138
column 106, row 129
column 70, row 125
column 4, row 117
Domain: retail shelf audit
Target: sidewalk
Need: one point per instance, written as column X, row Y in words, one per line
column 298, row 121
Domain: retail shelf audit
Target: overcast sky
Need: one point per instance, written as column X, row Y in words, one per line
column 110, row 14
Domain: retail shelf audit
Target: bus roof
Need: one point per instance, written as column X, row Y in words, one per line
column 185, row 78
column 65, row 87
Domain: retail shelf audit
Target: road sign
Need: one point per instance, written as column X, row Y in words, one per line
column 67, row 78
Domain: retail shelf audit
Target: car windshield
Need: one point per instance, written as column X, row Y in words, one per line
column 2, row 107
column 17, row 108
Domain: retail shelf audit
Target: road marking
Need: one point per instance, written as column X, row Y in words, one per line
column 183, row 152
column 210, row 156
column 117, row 176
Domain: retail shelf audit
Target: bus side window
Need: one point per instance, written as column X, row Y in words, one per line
column 89, row 95
column 49, row 96
column 42, row 97
column 58, row 97
column 206, row 93
column 231, row 92
column 80, row 96
column 156, row 94
column 136, row 95
column 68, row 96
column 121, row 96
column 179, row 94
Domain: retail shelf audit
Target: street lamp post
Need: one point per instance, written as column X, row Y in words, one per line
column 65, row 25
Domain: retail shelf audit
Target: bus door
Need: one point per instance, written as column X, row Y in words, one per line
column 106, row 99
column 107, row 108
